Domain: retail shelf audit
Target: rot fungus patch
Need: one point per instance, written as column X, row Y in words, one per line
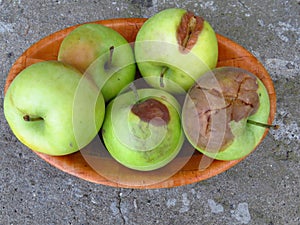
column 218, row 100
column 188, row 31
column 152, row 111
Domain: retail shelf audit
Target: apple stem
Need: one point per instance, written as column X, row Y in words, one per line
column 108, row 64
column 136, row 94
column 275, row 127
column 164, row 70
column 28, row 118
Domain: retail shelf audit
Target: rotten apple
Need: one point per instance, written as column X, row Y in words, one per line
column 223, row 112
column 142, row 129
column 175, row 47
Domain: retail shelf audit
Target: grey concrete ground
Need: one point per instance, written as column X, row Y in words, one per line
column 262, row 189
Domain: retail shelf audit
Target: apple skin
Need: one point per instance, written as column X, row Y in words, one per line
column 246, row 136
column 157, row 48
column 135, row 143
column 90, row 44
column 69, row 110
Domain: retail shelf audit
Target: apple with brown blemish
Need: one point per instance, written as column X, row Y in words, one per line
column 174, row 48
column 142, row 129
column 225, row 113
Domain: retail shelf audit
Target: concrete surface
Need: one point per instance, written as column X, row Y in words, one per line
column 263, row 189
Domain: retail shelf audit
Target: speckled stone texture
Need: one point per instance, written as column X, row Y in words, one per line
column 262, row 189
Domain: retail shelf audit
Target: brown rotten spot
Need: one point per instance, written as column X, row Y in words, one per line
column 188, row 31
column 214, row 102
column 152, row 111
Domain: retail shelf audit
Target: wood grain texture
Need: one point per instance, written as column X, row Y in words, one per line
column 230, row 54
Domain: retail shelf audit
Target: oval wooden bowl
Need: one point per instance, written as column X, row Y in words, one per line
column 230, row 54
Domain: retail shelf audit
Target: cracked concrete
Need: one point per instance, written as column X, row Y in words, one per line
column 121, row 208
column 262, row 189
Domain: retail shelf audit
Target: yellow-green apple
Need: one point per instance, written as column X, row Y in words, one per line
column 222, row 111
column 53, row 109
column 177, row 45
column 108, row 51
column 142, row 129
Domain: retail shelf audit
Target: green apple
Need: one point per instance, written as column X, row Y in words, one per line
column 142, row 129
column 53, row 109
column 177, row 45
column 108, row 51
column 221, row 112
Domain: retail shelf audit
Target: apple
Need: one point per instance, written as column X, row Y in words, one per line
column 177, row 45
column 223, row 112
column 142, row 129
column 53, row 109
column 108, row 51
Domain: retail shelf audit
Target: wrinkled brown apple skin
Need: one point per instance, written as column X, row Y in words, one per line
column 216, row 111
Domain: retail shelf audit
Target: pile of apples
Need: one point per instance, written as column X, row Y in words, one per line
column 59, row 107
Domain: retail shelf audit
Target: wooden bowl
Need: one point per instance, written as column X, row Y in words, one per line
column 230, row 54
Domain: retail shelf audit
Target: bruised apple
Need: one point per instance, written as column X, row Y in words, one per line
column 224, row 112
column 175, row 46
column 142, row 129
column 101, row 53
